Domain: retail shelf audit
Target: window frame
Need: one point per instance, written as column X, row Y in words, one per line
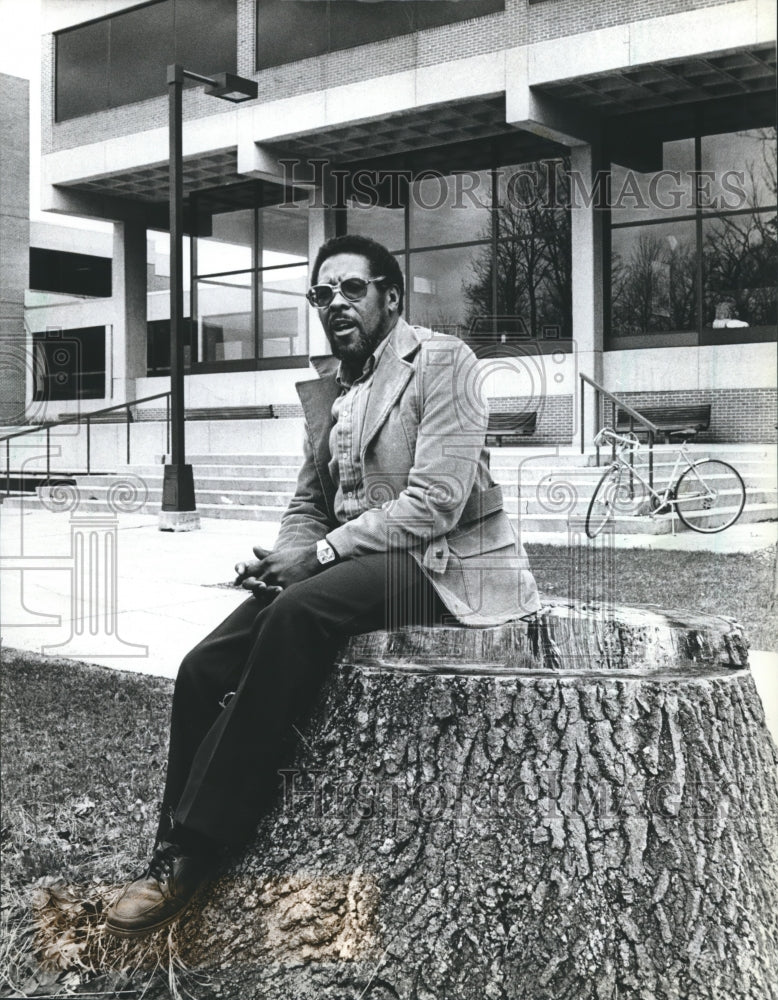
column 254, row 203
column 700, row 335
column 109, row 89
column 47, row 342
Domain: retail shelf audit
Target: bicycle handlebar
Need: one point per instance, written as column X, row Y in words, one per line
column 607, row 435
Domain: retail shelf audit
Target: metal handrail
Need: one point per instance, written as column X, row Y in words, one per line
column 633, row 414
column 80, row 418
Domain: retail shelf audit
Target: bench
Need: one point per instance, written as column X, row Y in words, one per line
column 195, row 413
column 116, row 417
column 668, row 419
column 520, row 423
column 231, row 413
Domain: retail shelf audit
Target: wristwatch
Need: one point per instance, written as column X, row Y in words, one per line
column 325, row 552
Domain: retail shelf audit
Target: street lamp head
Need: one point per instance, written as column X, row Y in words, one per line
column 230, row 87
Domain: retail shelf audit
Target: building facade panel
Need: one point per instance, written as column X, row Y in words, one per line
column 558, row 18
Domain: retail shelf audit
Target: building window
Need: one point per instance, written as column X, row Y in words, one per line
column 69, row 364
column 486, row 253
column 68, row 273
column 123, row 58
column 158, row 305
column 289, row 30
column 693, row 246
column 250, row 277
column 158, row 345
column 244, row 282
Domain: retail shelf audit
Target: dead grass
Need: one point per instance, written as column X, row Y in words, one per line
column 83, row 752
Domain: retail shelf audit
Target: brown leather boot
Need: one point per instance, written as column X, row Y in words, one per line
column 160, row 895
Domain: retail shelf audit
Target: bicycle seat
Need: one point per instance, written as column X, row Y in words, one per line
column 686, row 432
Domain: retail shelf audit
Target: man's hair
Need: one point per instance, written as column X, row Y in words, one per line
column 382, row 263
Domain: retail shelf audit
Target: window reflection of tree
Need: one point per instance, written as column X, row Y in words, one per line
column 653, row 289
column 762, row 174
column 741, row 261
column 740, row 252
column 533, row 259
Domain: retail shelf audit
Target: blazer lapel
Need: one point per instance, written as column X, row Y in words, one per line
column 391, row 377
column 317, row 397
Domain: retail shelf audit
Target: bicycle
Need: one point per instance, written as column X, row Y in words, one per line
column 708, row 496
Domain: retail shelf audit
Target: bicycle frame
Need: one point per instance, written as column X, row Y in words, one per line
column 708, row 495
column 664, row 498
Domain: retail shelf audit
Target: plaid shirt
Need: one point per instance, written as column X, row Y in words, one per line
column 348, row 417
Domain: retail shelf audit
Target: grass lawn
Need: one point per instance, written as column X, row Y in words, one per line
column 83, row 756
column 84, row 747
column 739, row 586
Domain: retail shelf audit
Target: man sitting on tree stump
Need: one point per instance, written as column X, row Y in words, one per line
column 395, row 521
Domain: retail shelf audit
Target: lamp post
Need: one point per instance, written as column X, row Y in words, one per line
column 179, row 512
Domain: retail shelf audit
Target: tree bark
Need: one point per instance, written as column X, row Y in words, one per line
column 581, row 808
column 584, row 809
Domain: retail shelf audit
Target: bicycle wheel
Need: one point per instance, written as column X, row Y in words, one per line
column 604, row 500
column 710, row 496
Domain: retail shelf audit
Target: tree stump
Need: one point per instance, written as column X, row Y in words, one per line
column 585, row 807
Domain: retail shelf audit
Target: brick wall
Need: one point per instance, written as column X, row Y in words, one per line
column 737, row 415
column 555, row 416
column 520, row 23
column 287, row 410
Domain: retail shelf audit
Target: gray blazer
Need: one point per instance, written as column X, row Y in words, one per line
column 426, row 478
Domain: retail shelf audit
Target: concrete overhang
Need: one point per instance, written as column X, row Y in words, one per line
column 438, row 134
column 566, row 88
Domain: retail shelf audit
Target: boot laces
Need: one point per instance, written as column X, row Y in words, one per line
column 162, row 860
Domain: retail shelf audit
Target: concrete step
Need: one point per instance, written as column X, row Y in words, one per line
column 220, row 471
column 202, row 483
column 546, row 489
column 529, row 522
column 578, row 506
column 277, row 476
column 585, row 480
column 528, row 502
column 228, row 498
column 536, row 469
column 512, row 458
column 566, row 491
column 267, row 458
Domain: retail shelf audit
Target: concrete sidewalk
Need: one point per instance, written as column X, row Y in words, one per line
column 114, row 590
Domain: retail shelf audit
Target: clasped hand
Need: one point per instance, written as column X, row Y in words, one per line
column 272, row 570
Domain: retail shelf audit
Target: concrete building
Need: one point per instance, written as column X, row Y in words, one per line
column 576, row 187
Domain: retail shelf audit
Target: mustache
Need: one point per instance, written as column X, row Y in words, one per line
column 342, row 317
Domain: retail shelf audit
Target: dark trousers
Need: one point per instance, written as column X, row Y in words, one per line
column 224, row 752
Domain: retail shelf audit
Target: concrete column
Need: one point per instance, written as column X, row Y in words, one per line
column 15, row 352
column 129, row 288
column 321, row 227
column 587, row 277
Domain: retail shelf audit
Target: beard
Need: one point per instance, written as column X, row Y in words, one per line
column 355, row 352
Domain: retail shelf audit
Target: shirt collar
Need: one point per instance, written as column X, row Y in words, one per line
column 367, row 369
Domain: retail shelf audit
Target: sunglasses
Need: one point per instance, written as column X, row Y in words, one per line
column 352, row 289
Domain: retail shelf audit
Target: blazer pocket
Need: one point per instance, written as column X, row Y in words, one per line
column 484, row 563
column 494, row 532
